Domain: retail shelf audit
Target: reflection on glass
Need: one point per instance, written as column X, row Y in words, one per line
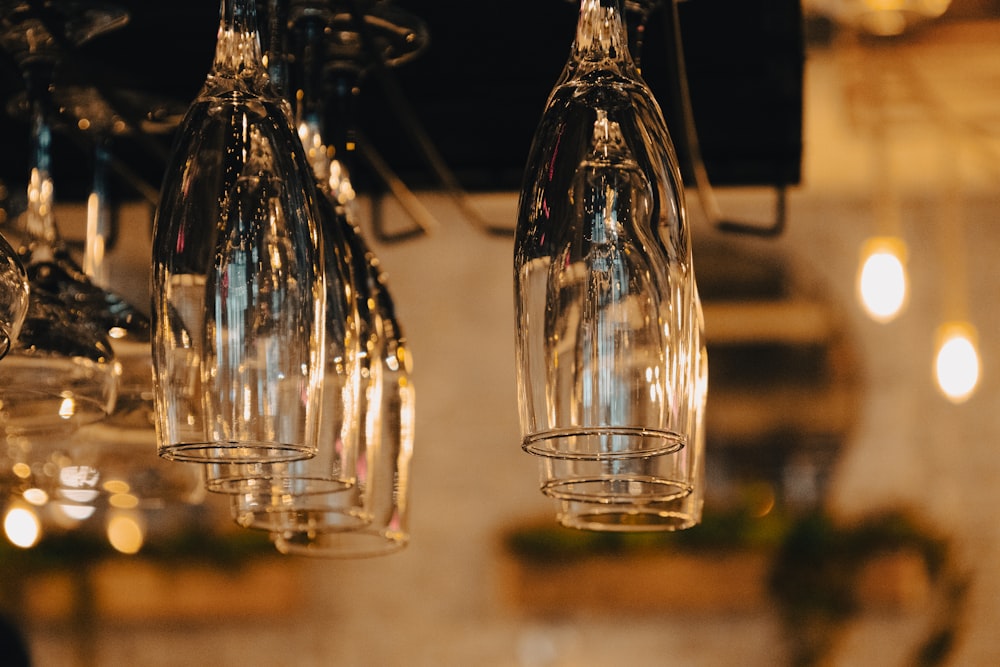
column 387, row 420
column 13, row 296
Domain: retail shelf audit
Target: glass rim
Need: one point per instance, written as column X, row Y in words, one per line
column 238, row 452
column 616, row 490
column 540, row 443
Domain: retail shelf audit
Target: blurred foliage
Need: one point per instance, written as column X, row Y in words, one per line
column 70, row 550
column 816, row 562
column 814, row 577
column 738, row 528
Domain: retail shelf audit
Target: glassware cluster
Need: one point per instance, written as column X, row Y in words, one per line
column 279, row 360
column 280, row 375
column 76, row 396
column 273, row 368
column 611, row 364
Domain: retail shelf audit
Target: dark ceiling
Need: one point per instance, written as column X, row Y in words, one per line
column 472, row 97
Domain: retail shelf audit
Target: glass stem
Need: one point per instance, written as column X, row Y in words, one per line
column 40, row 220
column 238, row 51
column 343, row 135
column 100, row 231
column 277, row 56
column 601, row 32
column 640, row 10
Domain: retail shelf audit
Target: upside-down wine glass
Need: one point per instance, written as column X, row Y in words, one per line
column 62, row 373
column 369, row 517
column 382, row 492
column 678, row 513
column 121, row 448
column 13, row 296
column 603, row 283
column 266, row 490
column 239, row 295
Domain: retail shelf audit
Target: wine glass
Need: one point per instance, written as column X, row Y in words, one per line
column 238, row 270
column 316, row 487
column 603, row 281
column 13, row 296
column 62, row 373
column 369, row 517
column 641, row 10
column 381, row 494
column 683, row 510
column 290, row 488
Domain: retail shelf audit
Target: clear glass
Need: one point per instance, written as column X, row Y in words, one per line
column 13, row 296
column 382, row 493
column 62, row 372
column 625, row 514
column 266, row 491
column 291, row 486
column 370, row 517
column 239, row 295
column 602, row 279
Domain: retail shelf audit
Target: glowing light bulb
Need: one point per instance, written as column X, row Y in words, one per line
column 882, row 280
column 21, row 525
column 956, row 363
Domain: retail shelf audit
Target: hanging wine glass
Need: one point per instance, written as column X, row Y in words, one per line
column 603, row 281
column 333, row 471
column 267, row 489
column 292, row 489
column 13, row 296
column 370, row 517
column 62, row 373
column 238, row 270
column 382, row 492
column 121, row 448
column 645, row 514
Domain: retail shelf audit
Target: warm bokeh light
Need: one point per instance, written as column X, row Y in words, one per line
column 956, row 363
column 126, row 531
column 79, row 483
column 35, row 496
column 21, row 526
column 125, row 501
column 116, row 486
column 883, row 287
column 67, row 408
column 889, row 18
